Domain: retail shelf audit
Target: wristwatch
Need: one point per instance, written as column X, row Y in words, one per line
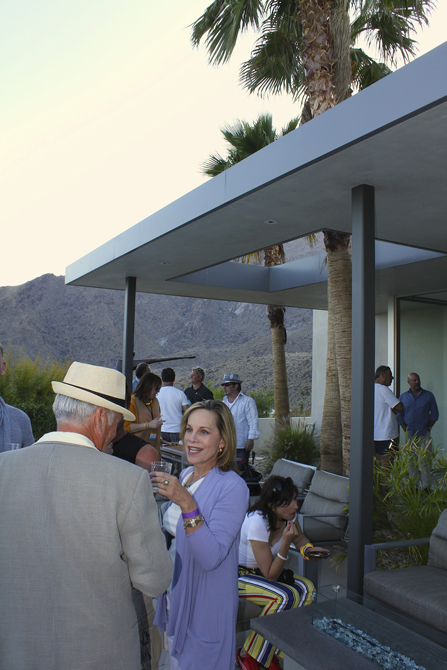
column 193, row 522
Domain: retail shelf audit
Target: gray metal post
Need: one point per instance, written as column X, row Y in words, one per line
column 129, row 327
column 362, row 396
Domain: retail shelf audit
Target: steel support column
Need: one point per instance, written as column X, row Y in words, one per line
column 362, row 396
column 129, row 327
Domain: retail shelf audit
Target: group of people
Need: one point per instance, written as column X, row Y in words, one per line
column 415, row 411
column 82, row 552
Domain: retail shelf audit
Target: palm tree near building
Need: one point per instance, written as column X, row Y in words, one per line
column 309, row 49
column 245, row 139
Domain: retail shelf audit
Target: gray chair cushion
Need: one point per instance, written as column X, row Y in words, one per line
column 328, row 494
column 437, row 557
column 247, row 610
column 318, row 531
column 300, row 474
column 419, row 592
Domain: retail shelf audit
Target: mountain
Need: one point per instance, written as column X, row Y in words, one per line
column 46, row 318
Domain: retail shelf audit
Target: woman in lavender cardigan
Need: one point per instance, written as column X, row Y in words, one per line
column 208, row 507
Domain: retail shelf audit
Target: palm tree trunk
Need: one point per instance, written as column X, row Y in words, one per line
column 339, row 264
column 331, row 433
column 275, row 256
column 317, row 53
column 280, row 387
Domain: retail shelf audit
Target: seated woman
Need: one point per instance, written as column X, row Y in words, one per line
column 268, row 531
column 146, row 408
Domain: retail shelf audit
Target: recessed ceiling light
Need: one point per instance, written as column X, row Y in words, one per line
column 271, row 222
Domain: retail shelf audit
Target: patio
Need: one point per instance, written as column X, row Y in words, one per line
column 374, row 167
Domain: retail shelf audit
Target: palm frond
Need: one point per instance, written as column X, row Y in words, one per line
column 365, row 70
column 274, row 66
column 214, row 165
column 222, row 23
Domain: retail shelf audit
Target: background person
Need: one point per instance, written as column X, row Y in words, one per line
column 173, row 404
column 15, row 425
column 79, row 529
column 141, row 370
column 144, row 405
column 245, row 414
column 209, row 504
column 198, row 392
column 420, row 411
column 268, row 530
column 386, row 407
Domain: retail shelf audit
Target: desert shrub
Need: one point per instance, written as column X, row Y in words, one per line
column 403, row 509
column 295, row 441
column 265, row 403
column 27, row 385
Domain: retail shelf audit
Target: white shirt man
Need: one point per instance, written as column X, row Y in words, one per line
column 386, row 407
column 173, row 403
column 245, row 414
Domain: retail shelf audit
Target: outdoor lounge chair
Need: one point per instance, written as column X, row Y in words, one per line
column 300, row 474
column 419, row 592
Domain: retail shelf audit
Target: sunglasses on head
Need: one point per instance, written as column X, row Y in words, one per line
column 279, row 486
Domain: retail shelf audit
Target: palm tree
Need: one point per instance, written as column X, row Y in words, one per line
column 308, row 48
column 244, row 140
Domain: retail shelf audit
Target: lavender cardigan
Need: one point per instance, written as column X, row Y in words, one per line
column 204, row 599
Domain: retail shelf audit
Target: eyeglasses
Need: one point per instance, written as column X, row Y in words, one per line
column 227, row 384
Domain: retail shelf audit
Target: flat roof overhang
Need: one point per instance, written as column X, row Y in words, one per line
column 392, row 136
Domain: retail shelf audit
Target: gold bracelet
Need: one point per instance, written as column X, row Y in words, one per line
column 303, row 550
column 193, row 522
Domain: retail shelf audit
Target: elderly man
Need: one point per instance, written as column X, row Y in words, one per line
column 198, row 391
column 15, row 426
column 245, row 414
column 78, row 529
column 386, row 407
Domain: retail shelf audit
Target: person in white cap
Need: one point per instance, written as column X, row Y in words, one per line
column 245, row 414
column 79, row 529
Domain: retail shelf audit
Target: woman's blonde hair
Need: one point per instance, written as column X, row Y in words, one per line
column 226, row 460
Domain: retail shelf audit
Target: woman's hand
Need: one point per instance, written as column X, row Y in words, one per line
column 155, row 423
column 169, row 486
column 292, row 532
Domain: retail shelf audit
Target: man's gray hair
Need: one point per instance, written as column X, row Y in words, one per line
column 200, row 372
column 70, row 410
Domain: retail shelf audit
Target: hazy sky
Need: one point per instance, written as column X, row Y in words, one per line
column 106, row 113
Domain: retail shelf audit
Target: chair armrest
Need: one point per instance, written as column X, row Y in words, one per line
column 372, row 549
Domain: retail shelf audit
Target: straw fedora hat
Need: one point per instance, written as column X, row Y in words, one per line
column 99, row 386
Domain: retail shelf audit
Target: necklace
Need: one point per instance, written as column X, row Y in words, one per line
column 194, row 481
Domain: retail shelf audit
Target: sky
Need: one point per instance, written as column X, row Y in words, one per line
column 106, row 114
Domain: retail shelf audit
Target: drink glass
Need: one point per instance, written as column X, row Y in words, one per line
column 160, row 466
column 9, row 446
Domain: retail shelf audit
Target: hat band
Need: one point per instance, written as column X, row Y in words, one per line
column 110, row 398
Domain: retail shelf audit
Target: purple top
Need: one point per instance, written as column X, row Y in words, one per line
column 204, row 598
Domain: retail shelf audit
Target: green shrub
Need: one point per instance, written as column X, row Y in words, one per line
column 406, row 510
column 294, row 441
column 265, row 403
column 27, row 385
